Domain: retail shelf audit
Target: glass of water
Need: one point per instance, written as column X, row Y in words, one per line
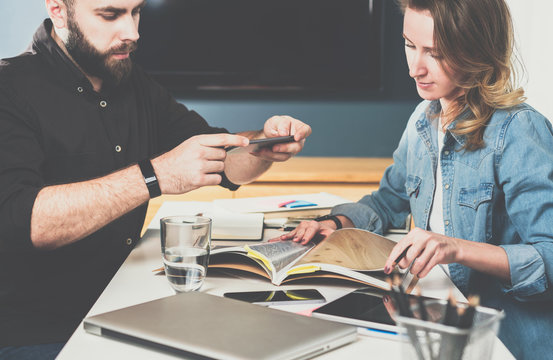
column 185, row 245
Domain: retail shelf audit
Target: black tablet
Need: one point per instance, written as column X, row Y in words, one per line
column 363, row 307
column 257, row 144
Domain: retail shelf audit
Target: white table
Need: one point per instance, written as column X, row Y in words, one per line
column 135, row 283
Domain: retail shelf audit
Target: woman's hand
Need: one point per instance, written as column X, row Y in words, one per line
column 428, row 249
column 307, row 230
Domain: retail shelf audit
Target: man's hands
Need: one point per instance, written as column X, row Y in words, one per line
column 283, row 126
column 198, row 161
column 428, row 249
column 194, row 163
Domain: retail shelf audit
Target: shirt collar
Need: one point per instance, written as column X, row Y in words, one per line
column 66, row 69
column 44, row 44
column 434, row 109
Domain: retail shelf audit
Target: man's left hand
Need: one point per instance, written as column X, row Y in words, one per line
column 284, row 126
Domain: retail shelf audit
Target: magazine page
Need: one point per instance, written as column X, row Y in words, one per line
column 278, row 255
column 355, row 249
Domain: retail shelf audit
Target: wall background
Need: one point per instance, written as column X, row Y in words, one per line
column 358, row 125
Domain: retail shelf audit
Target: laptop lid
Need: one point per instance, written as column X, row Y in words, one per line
column 221, row 328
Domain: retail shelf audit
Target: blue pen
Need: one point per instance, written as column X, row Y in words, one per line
column 377, row 332
column 299, row 203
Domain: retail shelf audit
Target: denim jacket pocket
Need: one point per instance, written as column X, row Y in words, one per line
column 475, row 213
column 473, row 197
column 412, row 185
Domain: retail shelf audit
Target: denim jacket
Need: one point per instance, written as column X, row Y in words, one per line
column 501, row 194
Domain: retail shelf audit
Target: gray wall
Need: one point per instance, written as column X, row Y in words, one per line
column 355, row 125
column 18, row 21
column 340, row 128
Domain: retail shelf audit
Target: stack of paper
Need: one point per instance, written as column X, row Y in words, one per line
column 225, row 225
column 242, row 219
column 265, row 204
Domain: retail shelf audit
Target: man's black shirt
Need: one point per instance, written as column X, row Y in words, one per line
column 54, row 129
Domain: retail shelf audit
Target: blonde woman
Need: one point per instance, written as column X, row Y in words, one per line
column 474, row 167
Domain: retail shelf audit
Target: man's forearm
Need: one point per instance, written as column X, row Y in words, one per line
column 241, row 167
column 63, row 214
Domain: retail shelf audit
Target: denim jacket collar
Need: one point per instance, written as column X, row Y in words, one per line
column 424, row 127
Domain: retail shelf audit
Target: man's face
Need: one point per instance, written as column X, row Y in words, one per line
column 102, row 34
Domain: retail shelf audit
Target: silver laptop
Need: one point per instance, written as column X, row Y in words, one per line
column 220, row 328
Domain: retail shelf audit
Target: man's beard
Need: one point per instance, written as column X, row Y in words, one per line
column 96, row 63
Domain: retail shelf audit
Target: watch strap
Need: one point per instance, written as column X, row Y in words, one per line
column 331, row 217
column 150, row 178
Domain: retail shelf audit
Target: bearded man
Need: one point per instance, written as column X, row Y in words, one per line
column 86, row 139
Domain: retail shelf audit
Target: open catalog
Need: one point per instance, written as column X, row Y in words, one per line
column 348, row 254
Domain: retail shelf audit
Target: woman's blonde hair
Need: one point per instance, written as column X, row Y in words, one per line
column 475, row 39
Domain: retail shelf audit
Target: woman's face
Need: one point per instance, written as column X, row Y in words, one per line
column 433, row 83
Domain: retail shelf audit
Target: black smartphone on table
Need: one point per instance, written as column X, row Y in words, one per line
column 278, row 297
column 258, row 144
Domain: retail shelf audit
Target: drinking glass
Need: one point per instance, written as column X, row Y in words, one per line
column 185, row 245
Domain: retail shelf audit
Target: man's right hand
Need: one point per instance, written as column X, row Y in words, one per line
column 194, row 163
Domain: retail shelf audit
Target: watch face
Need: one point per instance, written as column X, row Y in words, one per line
column 150, row 180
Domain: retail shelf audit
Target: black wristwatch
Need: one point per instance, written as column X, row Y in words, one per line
column 331, row 217
column 150, row 178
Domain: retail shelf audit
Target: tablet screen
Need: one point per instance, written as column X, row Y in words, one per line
column 363, row 307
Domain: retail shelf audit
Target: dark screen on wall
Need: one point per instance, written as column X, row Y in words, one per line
column 263, row 44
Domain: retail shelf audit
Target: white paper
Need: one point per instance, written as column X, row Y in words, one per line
column 225, row 225
column 270, row 203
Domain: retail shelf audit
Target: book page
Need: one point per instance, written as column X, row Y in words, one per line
column 355, row 249
column 277, row 255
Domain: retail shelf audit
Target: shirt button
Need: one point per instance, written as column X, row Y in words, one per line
column 446, row 152
column 129, row 241
column 118, row 148
column 446, row 222
column 446, row 186
column 103, row 104
column 80, row 89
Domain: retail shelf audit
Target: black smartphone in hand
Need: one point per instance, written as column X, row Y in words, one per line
column 258, row 144
column 278, row 297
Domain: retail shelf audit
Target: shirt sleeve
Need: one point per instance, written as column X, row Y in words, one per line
column 527, row 144
column 21, row 157
column 177, row 123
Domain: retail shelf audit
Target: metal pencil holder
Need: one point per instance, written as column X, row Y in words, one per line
column 432, row 340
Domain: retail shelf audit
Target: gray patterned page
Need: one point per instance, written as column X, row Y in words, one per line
column 281, row 253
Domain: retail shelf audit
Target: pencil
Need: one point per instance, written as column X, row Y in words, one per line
column 467, row 318
column 450, row 317
column 401, row 256
column 403, row 296
column 424, row 317
column 422, row 307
